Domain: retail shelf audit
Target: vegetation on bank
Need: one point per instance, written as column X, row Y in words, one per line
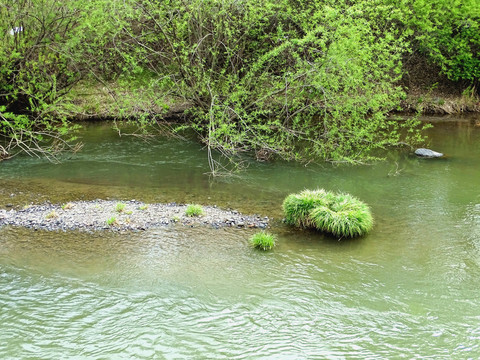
column 341, row 215
column 302, row 80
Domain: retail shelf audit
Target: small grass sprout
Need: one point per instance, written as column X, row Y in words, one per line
column 194, row 210
column 51, row 215
column 143, row 207
column 112, row 221
column 263, row 240
column 67, row 206
column 120, row 207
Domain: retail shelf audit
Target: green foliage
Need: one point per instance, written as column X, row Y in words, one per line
column 120, row 207
column 111, row 221
column 67, row 206
column 263, row 240
column 300, row 80
column 448, row 32
column 303, row 81
column 193, row 210
column 345, row 215
column 297, row 207
column 339, row 214
column 47, row 47
column 51, row 215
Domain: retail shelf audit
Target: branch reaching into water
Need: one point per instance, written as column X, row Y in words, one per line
column 36, row 143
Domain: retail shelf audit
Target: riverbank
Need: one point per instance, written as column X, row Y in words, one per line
column 100, row 215
column 430, row 92
column 427, row 92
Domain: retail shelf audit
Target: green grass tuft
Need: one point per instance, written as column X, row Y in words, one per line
column 194, row 210
column 297, row 207
column 112, row 221
column 263, row 240
column 120, row 207
column 339, row 214
column 51, row 215
column 67, row 206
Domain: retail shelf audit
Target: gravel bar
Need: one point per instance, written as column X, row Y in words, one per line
column 133, row 215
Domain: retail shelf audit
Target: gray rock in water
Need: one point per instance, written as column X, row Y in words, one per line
column 427, row 153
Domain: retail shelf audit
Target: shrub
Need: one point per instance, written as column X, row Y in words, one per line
column 447, row 31
column 47, row 47
column 339, row 214
column 304, row 80
column 194, row 210
column 263, row 240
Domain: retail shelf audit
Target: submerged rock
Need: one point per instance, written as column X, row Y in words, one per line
column 427, row 153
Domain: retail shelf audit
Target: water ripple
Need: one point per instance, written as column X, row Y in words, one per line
column 205, row 294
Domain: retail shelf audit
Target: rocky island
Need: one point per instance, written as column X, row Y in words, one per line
column 130, row 215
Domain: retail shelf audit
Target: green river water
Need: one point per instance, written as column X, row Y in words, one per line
column 410, row 289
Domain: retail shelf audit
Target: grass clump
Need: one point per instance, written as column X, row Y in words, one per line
column 120, row 207
column 51, row 215
column 297, row 207
column 194, row 210
column 143, row 207
column 263, row 240
column 112, row 221
column 341, row 215
column 67, row 206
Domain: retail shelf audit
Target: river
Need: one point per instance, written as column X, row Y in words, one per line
column 407, row 290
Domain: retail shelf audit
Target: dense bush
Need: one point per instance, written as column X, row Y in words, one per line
column 448, row 32
column 302, row 80
column 47, row 47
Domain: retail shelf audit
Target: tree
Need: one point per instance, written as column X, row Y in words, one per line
column 302, row 80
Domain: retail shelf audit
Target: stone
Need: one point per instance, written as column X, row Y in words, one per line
column 92, row 215
column 427, row 153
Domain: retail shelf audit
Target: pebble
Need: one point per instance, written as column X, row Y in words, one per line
column 93, row 216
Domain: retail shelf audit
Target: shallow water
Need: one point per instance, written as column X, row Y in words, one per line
column 409, row 289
